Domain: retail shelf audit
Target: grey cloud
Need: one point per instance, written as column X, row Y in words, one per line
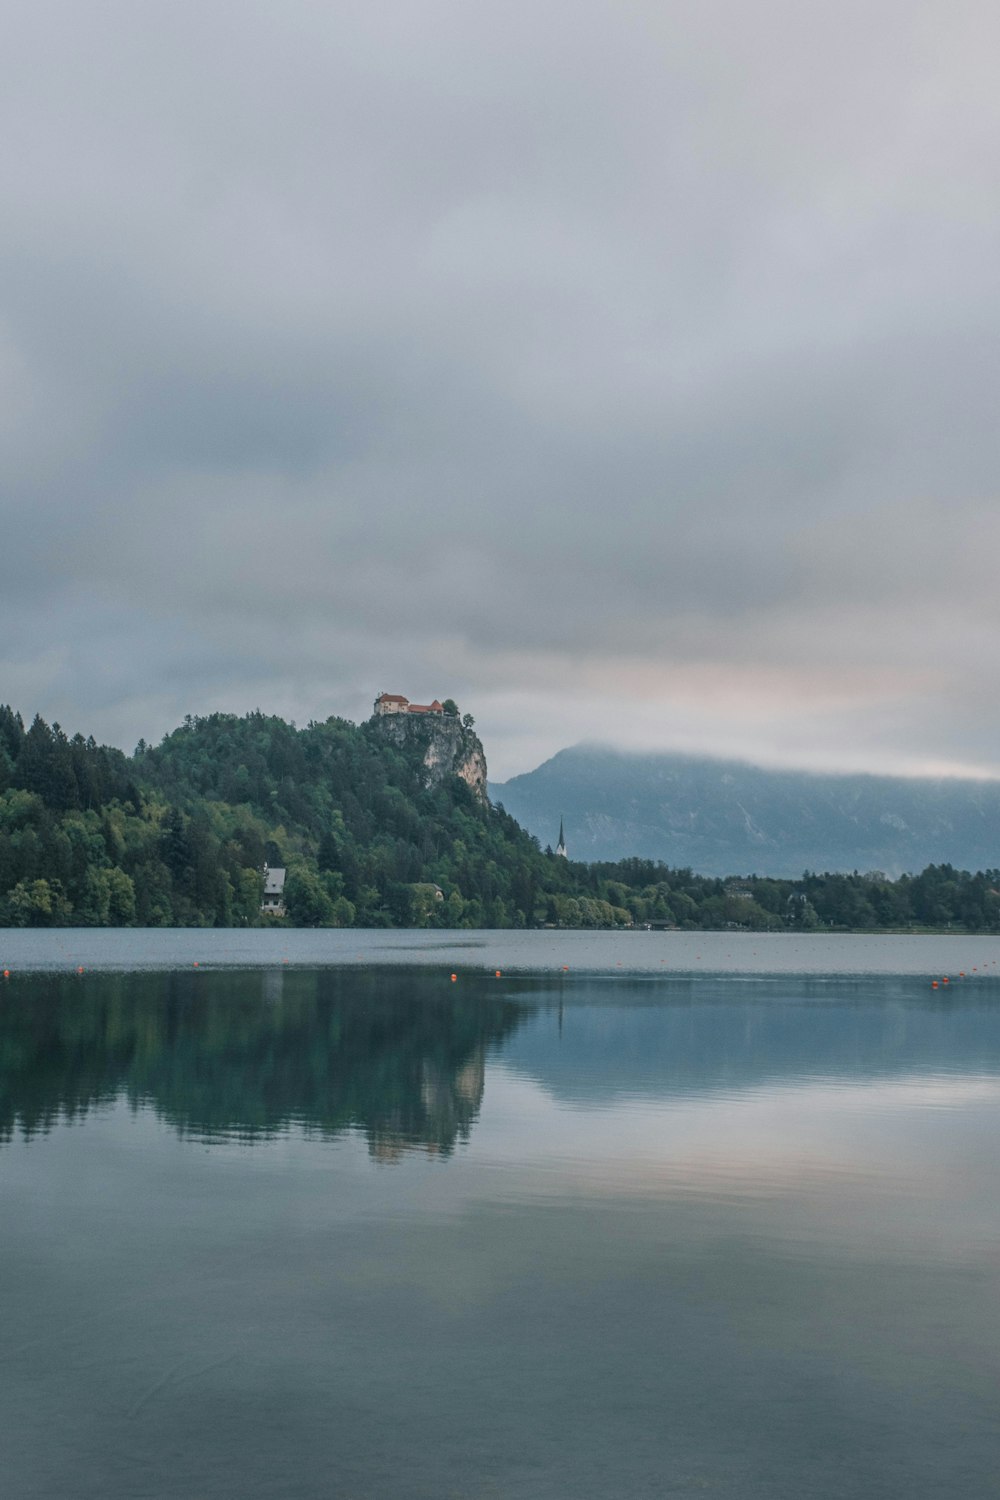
column 434, row 341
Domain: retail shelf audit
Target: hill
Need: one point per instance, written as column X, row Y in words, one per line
column 385, row 823
column 723, row 817
column 381, row 824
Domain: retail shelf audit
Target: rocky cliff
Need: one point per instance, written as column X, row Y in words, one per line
column 445, row 746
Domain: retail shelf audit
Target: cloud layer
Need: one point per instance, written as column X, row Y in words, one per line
column 626, row 371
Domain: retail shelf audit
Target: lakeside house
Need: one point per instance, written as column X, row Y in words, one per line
column 395, row 703
column 273, row 904
column 739, row 890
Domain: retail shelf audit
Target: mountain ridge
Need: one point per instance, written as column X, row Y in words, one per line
column 720, row 817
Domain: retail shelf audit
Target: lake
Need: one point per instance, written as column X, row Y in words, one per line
column 296, row 1214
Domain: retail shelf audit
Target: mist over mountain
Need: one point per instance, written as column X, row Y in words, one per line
column 725, row 817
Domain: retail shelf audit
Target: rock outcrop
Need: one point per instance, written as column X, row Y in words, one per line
column 446, row 746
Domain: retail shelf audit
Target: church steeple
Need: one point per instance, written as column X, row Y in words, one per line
column 561, row 846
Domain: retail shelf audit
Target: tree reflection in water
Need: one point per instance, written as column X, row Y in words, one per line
column 244, row 1055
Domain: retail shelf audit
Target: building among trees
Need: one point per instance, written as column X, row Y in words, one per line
column 273, row 902
column 395, row 703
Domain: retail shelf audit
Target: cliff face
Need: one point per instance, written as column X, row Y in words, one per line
column 447, row 747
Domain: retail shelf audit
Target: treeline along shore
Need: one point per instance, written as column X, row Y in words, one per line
column 178, row 835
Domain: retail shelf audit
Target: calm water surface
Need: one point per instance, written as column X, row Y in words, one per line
column 339, row 1227
column 523, row 952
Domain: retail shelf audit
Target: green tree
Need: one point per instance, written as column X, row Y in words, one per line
column 38, row 904
column 121, row 898
column 306, row 902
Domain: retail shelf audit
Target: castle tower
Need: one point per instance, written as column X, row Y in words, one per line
column 561, row 846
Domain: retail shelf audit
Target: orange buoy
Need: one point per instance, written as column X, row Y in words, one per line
column 6, row 973
column 498, row 973
column 79, row 968
column 934, row 984
column 944, row 979
column 453, row 978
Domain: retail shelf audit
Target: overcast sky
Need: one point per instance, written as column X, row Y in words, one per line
column 627, row 371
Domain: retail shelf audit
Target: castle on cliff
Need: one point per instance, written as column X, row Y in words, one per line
column 395, row 703
column 447, row 742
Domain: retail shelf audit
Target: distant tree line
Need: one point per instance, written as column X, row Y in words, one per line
column 178, row 835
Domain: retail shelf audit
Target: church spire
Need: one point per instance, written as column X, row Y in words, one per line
column 561, row 846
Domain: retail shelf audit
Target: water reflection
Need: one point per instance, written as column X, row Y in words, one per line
column 609, row 1039
column 402, row 1055
column 226, row 1055
column 732, row 1237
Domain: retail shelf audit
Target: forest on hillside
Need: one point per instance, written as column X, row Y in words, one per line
column 178, row 835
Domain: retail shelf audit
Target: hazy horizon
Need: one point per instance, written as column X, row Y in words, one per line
column 634, row 753
column 819, row 767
